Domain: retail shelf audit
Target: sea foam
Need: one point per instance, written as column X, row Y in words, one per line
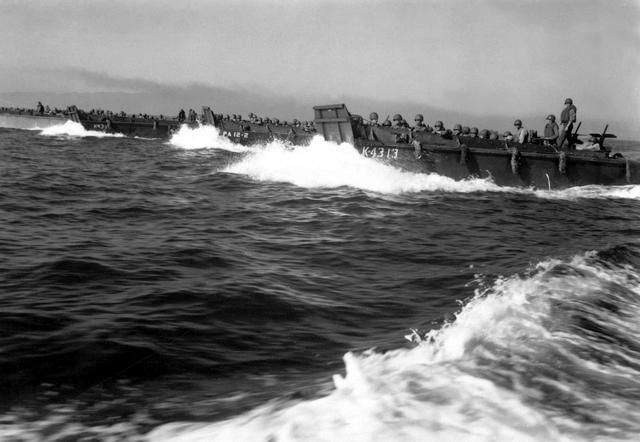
column 203, row 137
column 73, row 129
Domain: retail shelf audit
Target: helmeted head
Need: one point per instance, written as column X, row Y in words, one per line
column 517, row 123
column 373, row 116
column 484, row 133
column 474, row 131
column 457, row 127
column 438, row 125
column 568, row 101
column 386, row 123
column 276, row 121
column 551, row 117
column 466, row 130
column 239, row 117
column 397, row 117
column 507, row 134
column 419, row 118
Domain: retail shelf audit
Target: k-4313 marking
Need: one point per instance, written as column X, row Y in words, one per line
column 380, row 152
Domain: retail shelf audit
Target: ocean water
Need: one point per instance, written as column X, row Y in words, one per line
column 197, row 290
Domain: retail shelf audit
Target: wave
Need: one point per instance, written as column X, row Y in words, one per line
column 73, row 129
column 203, row 137
column 551, row 354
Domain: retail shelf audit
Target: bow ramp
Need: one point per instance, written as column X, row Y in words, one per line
column 334, row 123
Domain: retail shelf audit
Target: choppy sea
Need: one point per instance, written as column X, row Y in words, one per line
column 197, row 290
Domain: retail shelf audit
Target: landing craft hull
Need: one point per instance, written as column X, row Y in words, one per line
column 134, row 127
column 530, row 169
column 248, row 134
column 28, row 121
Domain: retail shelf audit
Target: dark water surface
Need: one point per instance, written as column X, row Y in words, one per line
column 165, row 291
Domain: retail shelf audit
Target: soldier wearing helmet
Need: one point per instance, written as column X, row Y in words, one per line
column 457, row 129
column 507, row 136
column 438, row 128
column 473, row 132
column 373, row 119
column 397, row 121
column 551, row 130
column 420, row 126
column 466, row 130
column 567, row 119
column 520, row 135
column 484, row 134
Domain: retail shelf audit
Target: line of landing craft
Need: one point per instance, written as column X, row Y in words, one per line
column 533, row 163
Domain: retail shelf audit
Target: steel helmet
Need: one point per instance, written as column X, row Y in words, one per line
column 373, row 116
column 386, row 123
column 551, row 117
column 397, row 117
column 568, row 101
column 438, row 124
column 457, row 127
column 517, row 123
column 466, row 130
column 474, row 130
column 507, row 134
column 419, row 117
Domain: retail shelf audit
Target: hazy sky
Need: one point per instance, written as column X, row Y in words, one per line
column 485, row 57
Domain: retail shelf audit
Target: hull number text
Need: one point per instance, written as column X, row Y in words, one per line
column 232, row 134
column 380, row 152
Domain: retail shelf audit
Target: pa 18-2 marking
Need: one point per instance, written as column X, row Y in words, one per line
column 228, row 133
column 380, row 152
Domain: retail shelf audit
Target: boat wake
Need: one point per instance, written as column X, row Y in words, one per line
column 73, row 129
column 323, row 164
column 203, row 137
column 549, row 355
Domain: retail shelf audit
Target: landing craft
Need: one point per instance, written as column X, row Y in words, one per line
column 531, row 164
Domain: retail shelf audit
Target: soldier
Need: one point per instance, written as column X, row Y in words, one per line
column 420, row 126
column 484, row 134
column 373, row 119
column 438, row 128
column 567, row 118
column 181, row 115
column 473, row 132
column 507, row 136
column 397, row 121
column 386, row 123
column 466, row 131
column 551, row 130
column 493, row 135
column 520, row 135
column 457, row 130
